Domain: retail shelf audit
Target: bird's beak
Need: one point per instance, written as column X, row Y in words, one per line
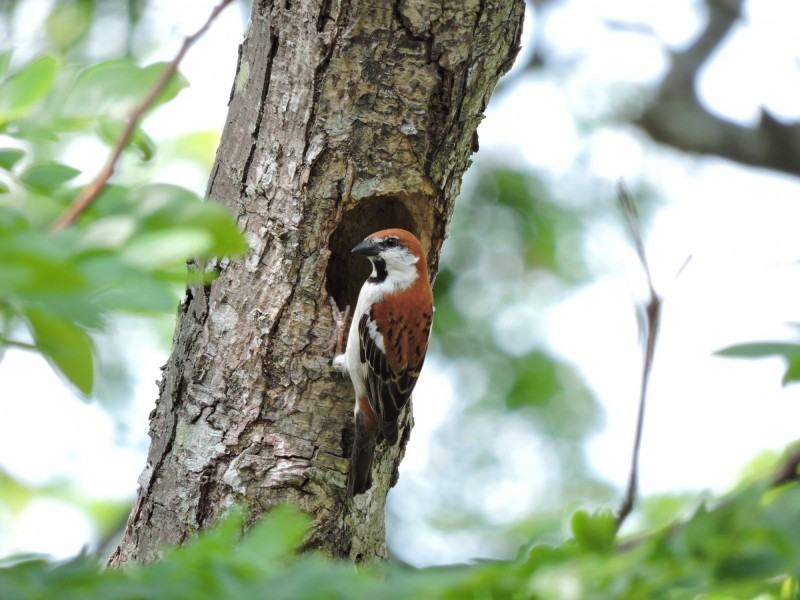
column 367, row 248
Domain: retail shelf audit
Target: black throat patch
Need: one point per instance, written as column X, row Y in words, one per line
column 381, row 273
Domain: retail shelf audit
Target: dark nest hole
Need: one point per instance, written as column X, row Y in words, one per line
column 347, row 271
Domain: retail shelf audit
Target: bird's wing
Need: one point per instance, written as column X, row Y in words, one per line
column 389, row 382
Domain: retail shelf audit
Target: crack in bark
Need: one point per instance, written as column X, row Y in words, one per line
column 319, row 74
column 205, row 487
column 236, row 75
column 171, row 416
column 273, row 50
column 324, row 15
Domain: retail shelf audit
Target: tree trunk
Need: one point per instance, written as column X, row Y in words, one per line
column 346, row 117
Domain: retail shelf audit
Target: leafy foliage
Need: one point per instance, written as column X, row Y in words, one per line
column 745, row 546
column 127, row 253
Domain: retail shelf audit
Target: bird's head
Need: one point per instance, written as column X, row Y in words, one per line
column 396, row 256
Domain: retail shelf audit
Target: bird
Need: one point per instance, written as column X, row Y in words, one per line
column 386, row 344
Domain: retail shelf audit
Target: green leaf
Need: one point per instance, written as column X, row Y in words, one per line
column 9, row 157
column 169, row 206
column 109, row 130
column 100, row 86
column 792, row 369
column 535, row 380
column 118, row 286
column 595, row 532
column 27, row 86
column 278, row 535
column 759, row 350
column 215, row 218
column 167, row 247
column 790, row 352
column 67, row 346
column 142, row 144
column 69, row 22
column 151, row 73
column 46, row 177
column 33, row 266
column 113, row 88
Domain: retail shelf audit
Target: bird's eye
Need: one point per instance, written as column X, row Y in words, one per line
column 391, row 242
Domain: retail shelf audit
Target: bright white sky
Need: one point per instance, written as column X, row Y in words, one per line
column 706, row 416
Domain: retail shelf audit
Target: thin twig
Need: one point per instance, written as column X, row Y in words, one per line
column 15, row 344
column 653, row 316
column 91, row 191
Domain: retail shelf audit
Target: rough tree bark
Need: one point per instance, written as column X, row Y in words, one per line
column 346, row 116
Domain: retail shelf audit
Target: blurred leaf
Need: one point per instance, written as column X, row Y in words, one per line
column 743, row 548
column 66, row 345
column 595, row 532
column 46, row 177
column 99, row 86
column 277, row 535
column 110, row 130
column 663, row 509
column 164, row 247
column 68, row 22
column 197, row 146
column 33, row 268
column 535, row 380
column 545, row 226
column 20, row 91
column 150, row 75
column 9, row 157
column 759, row 350
column 30, row 131
column 216, row 219
column 790, row 352
column 108, row 232
column 166, row 207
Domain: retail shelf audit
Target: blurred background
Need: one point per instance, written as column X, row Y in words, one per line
column 527, row 405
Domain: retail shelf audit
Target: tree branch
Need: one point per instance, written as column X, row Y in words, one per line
column 677, row 118
column 15, row 344
column 91, row 191
column 653, row 316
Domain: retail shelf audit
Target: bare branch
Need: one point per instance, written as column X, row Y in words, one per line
column 653, row 318
column 677, row 118
column 91, row 191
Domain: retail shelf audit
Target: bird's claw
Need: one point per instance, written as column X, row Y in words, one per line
column 340, row 319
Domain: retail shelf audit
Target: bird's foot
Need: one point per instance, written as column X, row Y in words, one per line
column 340, row 318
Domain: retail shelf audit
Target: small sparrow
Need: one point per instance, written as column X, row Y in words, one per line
column 387, row 343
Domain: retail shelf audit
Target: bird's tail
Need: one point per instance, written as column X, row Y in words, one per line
column 360, row 476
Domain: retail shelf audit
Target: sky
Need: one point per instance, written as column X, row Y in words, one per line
column 706, row 417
